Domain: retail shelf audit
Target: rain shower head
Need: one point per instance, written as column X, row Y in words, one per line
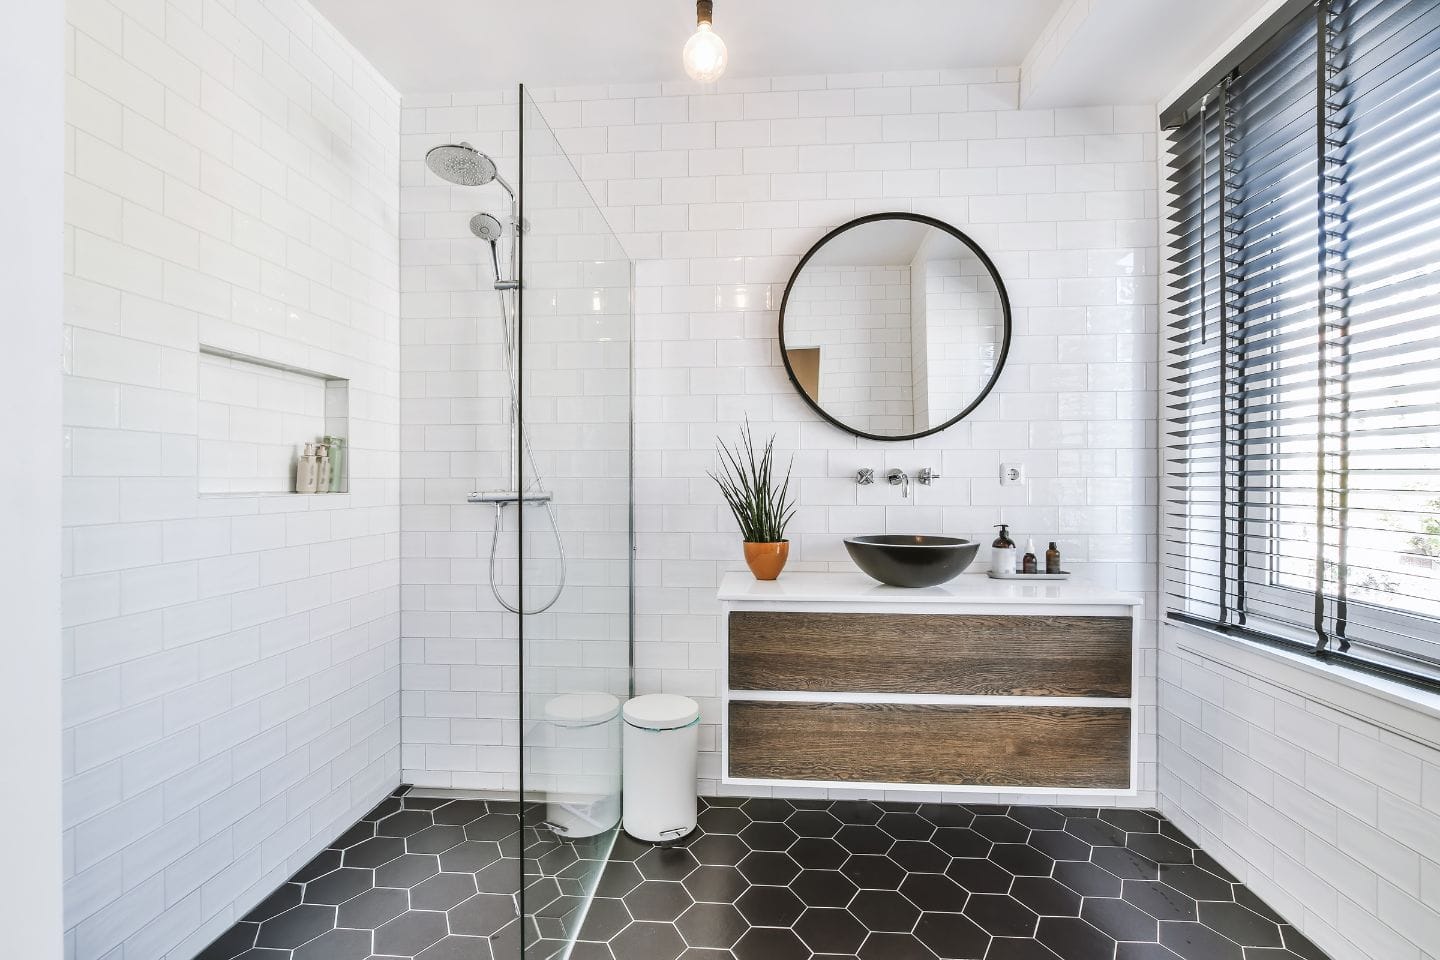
column 461, row 164
column 486, row 227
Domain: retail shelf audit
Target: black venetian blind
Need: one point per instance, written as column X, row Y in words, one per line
column 1302, row 494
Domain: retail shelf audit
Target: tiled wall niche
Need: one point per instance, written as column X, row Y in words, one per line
column 255, row 418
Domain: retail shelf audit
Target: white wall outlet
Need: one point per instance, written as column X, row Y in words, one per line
column 1012, row 474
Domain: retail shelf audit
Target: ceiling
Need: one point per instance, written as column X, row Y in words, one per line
column 429, row 46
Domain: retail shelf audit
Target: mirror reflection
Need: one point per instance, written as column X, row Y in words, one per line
column 894, row 326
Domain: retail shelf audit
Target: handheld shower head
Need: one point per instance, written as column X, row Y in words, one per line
column 486, row 227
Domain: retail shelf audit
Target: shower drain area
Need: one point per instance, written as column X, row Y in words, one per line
column 766, row 879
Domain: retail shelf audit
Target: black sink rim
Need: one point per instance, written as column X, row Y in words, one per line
column 910, row 540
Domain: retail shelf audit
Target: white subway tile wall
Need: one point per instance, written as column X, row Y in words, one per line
column 1323, row 799
column 232, row 662
column 716, row 195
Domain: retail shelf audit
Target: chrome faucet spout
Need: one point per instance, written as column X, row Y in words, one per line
column 902, row 479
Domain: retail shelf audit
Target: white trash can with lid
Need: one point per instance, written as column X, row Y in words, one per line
column 661, row 740
column 584, row 796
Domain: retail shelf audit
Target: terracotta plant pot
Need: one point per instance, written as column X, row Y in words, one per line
column 766, row 560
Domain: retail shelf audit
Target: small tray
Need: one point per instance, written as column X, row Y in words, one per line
column 1017, row 575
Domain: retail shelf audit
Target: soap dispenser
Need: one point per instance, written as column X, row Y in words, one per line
column 1002, row 553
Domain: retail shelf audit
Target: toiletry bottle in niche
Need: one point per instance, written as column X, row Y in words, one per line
column 322, row 468
column 1028, row 565
column 305, row 471
column 336, row 446
column 1052, row 558
column 1002, row 553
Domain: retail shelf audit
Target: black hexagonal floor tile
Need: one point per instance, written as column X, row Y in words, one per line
column 1125, row 863
column 1195, row 941
column 857, row 811
column 1037, row 818
column 1087, row 879
column 373, row 908
column 765, row 835
column 233, row 942
column 979, row 876
column 961, row 842
column 410, row 933
column 321, row 864
column 884, row 910
column 711, row 925
column 460, row 812
column 768, row 943
column 658, row 900
column 1195, row 881
column 1001, row 829
column 716, row 884
column 1095, row 832
column 442, row 891
column 813, row 823
column 770, row 906
column 363, row 830
column 406, row 871
column 336, row 945
column 1132, row 821
column 1118, row 918
column 484, row 914
column 765, row 808
column 492, row 826
column 457, row 948
column 1074, row 939
column 1011, row 948
column 946, row 814
column 1046, row 896
column 919, row 856
column 619, row 878
column 951, row 936
column 374, row 852
column 1022, row 859
column 435, row 839
column 644, row 940
column 337, row 886
column 729, row 820
column 817, row 853
column 404, row 824
column 1160, row 900
column 934, row 891
column 1159, row 848
column 907, row 826
column 870, row 872
column 720, row 848
column 502, row 876
column 863, row 838
column 296, row 926
column 666, row 863
column 774, row 869
column 823, row 888
column 1241, row 924
column 470, row 856
column 830, row 930
column 606, row 917
column 1001, row 915
column 1059, row 845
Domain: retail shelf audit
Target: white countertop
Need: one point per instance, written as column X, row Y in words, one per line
column 856, row 587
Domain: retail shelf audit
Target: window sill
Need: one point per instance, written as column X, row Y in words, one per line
column 1402, row 709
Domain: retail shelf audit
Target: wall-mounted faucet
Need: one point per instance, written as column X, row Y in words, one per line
column 926, row 476
column 902, row 479
column 864, row 476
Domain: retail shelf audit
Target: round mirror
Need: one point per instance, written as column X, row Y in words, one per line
column 894, row 326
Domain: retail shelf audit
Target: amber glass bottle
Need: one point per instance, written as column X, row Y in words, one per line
column 1052, row 559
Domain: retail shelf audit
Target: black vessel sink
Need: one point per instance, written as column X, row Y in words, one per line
column 905, row 560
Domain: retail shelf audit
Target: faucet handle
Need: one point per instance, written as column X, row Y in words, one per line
column 865, row 476
column 926, row 475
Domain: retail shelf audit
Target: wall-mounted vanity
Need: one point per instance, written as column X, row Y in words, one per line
column 976, row 685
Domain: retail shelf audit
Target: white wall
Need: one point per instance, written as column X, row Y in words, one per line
column 232, row 684
column 31, row 143
column 716, row 195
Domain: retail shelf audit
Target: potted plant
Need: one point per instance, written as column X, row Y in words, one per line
column 761, row 506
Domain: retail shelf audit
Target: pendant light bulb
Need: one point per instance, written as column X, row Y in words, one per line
column 705, row 55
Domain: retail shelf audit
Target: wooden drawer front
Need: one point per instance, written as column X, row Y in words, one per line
column 951, row 745
column 930, row 653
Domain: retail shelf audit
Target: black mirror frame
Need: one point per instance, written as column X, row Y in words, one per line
column 974, row 248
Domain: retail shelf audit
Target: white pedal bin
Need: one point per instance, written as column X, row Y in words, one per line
column 661, row 741
column 585, row 799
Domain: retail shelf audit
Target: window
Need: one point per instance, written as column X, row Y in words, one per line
column 1302, row 496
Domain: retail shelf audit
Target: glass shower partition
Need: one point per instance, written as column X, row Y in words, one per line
column 576, row 557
